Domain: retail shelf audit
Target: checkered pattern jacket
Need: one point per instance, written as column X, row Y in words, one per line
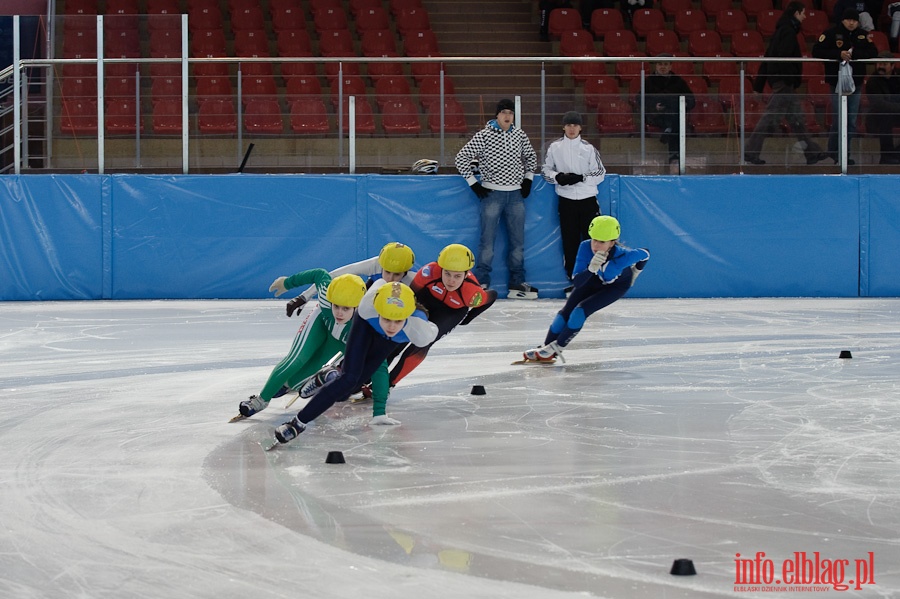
column 504, row 158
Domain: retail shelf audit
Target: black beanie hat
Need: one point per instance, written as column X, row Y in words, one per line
column 505, row 104
column 572, row 118
column 850, row 13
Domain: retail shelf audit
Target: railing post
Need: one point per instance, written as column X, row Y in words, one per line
column 17, row 99
column 185, row 122
column 101, row 100
column 682, row 132
column 351, row 105
column 441, row 100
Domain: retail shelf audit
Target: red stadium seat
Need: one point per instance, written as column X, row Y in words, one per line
column 818, row 91
column 308, row 116
column 670, row 8
column 716, row 71
column 251, row 42
column 167, row 117
column 576, row 42
column 81, row 7
column 748, row 43
column 336, row 70
column 645, row 20
column 380, row 70
column 753, row 7
column 882, row 44
column 263, row 116
column 454, row 117
column 125, row 43
column 79, row 117
column 389, row 89
column 248, row 17
column 627, row 71
column 300, row 87
column 293, row 42
column 253, row 88
column 583, row 70
column 165, row 88
column 165, row 43
column 400, row 117
column 604, row 20
column 217, row 117
column 619, row 43
column 412, row 19
column 349, row 86
column 208, row 42
column 204, row 18
column 423, row 70
column 291, row 70
column 330, row 19
column 365, row 118
column 372, row 19
column 598, row 90
column 430, row 90
column 122, row 117
column 160, row 7
column 122, row 14
column 397, row 6
column 378, row 43
column 78, row 86
column 766, row 22
column 731, row 21
column 316, row 6
column 663, row 40
column 814, row 24
column 697, row 85
column 682, row 68
column 615, row 117
column 707, row 117
column 288, row 19
column 120, row 87
column 713, row 7
column 563, row 19
column 357, row 6
column 420, row 43
column 705, row 43
column 338, row 42
column 689, row 21
column 80, row 44
column 730, row 91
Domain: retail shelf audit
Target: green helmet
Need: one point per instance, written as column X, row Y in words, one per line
column 604, row 228
column 456, row 257
column 346, row 290
column 396, row 257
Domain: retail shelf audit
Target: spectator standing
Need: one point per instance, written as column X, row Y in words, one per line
column 507, row 163
column 663, row 89
column 784, row 79
column 845, row 42
column 883, row 91
column 574, row 166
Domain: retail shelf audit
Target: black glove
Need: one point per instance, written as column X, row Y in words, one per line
column 526, row 187
column 480, row 191
column 294, row 305
column 568, row 178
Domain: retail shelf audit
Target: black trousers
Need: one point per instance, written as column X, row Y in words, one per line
column 575, row 217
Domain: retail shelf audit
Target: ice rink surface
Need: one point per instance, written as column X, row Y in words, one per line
column 696, row 429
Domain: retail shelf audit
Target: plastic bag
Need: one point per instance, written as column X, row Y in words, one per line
column 845, row 85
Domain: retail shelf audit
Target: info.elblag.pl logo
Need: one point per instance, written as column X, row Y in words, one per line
column 802, row 572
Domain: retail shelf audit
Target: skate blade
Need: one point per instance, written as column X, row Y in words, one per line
column 291, row 401
column 541, row 362
column 238, row 418
column 359, row 399
column 272, row 446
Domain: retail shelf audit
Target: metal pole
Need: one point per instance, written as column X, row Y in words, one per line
column 682, row 133
column 137, row 114
column 441, row 163
column 185, row 133
column 17, row 99
column 741, row 122
column 842, row 131
column 352, row 139
column 643, row 114
column 543, row 104
column 101, row 100
column 340, row 136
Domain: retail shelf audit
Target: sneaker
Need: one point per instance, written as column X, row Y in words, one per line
column 523, row 291
column 814, row 158
column 754, row 160
column 289, row 430
column 252, row 405
column 546, row 353
column 318, row 380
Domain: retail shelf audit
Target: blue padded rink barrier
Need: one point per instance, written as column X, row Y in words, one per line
column 677, row 429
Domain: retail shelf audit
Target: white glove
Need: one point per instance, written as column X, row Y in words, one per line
column 597, row 262
column 278, row 286
column 384, row 419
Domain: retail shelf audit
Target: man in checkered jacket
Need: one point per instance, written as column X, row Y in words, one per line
column 507, row 163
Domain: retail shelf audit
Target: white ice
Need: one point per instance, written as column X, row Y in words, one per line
column 694, row 429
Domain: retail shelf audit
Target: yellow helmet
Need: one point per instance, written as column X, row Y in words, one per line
column 395, row 301
column 456, row 257
column 396, row 257
column 604, row 228
column 346, row 290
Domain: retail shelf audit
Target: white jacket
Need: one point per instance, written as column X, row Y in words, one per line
column 574, row 156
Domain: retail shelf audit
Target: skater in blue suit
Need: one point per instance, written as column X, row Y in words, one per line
column 604, row 272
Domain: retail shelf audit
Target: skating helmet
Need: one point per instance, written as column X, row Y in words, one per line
column 346, row 290
column 456, row 257
column 396, row 257
column 604, row 228
column 395, row 301
column 424, row 167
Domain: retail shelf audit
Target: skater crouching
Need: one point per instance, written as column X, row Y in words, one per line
column 605, row 271
column 386, row 317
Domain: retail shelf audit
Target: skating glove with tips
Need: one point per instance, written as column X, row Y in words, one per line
column 597, row 262
column 278, row 286
column 295, row 305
